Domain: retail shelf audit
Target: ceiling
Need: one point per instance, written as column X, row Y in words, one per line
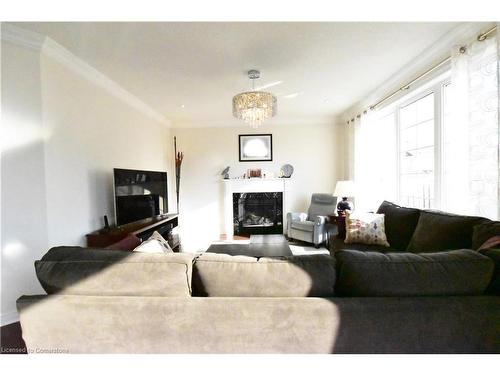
column 189, row 72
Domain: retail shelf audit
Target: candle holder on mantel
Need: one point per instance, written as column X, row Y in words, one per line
column 254, row 173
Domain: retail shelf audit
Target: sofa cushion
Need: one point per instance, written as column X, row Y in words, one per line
column 222, row 275
column 400, row 224
column 372, row 274
column 494, row 287
column 138, row 325
column 483, row 232
column 100, row 272
column 306, row 226
column 440, row 231
column 337, row 244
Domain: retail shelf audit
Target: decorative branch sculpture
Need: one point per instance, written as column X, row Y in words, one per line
column 178, row 163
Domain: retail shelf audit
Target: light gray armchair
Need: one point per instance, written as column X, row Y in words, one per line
column 311, row 227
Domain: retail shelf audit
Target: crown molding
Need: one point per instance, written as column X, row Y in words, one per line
column 21, row 37
column 57, row 52
column 431, row 56
column 78, row 66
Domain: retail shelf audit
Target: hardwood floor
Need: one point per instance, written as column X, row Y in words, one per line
column 11, row 339
column 223, row 237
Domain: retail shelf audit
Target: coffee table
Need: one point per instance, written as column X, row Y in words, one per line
column 261, row 245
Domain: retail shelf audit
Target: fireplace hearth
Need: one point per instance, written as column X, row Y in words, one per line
column 258, row 213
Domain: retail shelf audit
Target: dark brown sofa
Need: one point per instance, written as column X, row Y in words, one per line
column 411, row 231
column 426, row 231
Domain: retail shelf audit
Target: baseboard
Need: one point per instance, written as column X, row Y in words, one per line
column 9, row 318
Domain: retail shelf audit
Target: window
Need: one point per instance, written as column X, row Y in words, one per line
column 406, row 139
column 410, row 152
column 416, row 153
column 443, row 151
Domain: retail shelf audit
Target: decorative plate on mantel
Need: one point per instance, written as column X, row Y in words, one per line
column 287, row 171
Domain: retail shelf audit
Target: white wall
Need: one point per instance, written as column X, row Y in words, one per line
column 315, row 151
column 90, row 132
column 62, row 134
column 24, row 235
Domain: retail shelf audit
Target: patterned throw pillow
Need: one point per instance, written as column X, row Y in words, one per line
column 365, row 228
column 154, row 244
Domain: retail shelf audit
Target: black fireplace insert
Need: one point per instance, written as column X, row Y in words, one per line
column 258, row 213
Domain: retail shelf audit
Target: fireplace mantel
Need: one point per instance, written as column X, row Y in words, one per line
column 251, row 185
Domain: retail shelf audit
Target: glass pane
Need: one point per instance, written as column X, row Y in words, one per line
column 425, row 134
column 407, row 162
column 425, row 160
column 409, row 139
column 417, row 153
column 425, row 108
column 408, row 115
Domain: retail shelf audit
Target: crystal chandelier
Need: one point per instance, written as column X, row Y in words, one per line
column 254, row 106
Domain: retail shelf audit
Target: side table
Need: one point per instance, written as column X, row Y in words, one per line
column 341, row 226
column 331, row 229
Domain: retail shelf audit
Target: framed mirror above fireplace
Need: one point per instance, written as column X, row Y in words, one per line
column 255, row 147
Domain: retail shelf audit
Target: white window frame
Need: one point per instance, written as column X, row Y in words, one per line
column 437, row 88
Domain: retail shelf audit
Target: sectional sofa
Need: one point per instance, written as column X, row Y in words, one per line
column 430, row 297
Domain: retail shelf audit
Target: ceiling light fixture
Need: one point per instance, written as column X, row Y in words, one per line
column 254, row 106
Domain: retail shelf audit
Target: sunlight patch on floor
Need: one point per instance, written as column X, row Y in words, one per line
column 307, row 250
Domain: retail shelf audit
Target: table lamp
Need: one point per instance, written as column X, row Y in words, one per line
column 344, row 189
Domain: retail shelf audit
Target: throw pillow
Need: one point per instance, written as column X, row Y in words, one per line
column 154, row 244
column 400, row 223
column 492, row 243
column 365, row 228
column 483, row 232
column 128, row 243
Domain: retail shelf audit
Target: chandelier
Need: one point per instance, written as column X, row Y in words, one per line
column 254, row 106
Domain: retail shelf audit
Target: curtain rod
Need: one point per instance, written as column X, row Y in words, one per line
column 481, row 37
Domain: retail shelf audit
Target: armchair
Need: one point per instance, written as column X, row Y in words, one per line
column 311, row 226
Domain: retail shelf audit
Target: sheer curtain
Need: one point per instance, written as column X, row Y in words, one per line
column 471, row 131
column 375, row 159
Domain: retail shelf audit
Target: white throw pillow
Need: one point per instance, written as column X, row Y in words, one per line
column 154, row 244
column 365, row 228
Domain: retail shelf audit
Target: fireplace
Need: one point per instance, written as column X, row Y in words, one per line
column 258, row 213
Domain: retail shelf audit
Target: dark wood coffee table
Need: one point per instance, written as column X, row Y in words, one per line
column 265, row 245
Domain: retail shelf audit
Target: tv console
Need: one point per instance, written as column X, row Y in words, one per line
column 163, row 224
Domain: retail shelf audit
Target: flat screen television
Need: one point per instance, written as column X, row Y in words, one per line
column 139, row 195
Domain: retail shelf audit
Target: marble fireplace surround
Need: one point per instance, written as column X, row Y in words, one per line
column 252, row 185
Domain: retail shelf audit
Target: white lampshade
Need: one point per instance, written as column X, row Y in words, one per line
column 344, row 189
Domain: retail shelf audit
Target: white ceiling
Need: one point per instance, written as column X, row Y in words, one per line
column 189, row 72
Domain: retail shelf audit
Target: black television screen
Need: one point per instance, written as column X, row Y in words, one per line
column 139, row 195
